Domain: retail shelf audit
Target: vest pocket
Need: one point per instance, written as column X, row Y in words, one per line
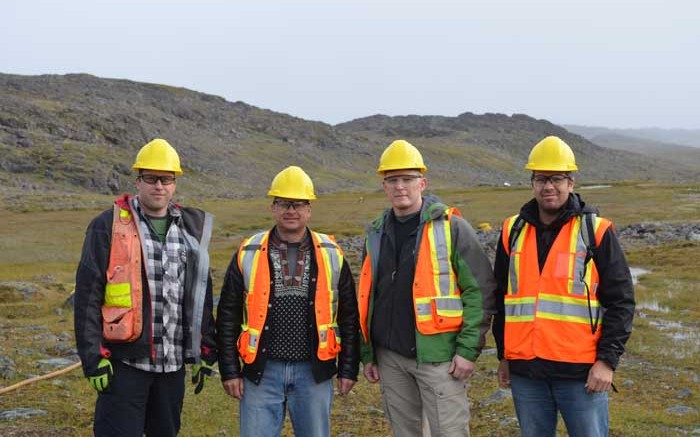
column 118, row 295
column 565, row 264
column 447, row 313
column 121, row 319
column 247, row 345
column 332, row 344
column 118, row 324
column 242, row 344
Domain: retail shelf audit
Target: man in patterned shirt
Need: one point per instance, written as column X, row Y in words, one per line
column 288, row 310
column 143, row 302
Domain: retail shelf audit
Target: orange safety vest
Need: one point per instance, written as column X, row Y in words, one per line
column 255, row 268
column 122, row 318
column 552, row 314
column 437, row 300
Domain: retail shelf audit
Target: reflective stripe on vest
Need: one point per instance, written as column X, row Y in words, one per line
column 364, row 289
column 122, row 318
column 256, row 280
column 254, row 266
column 329, row 258
column 547, row 313
column 521, row 309
column 436, row 296
column 437, row 299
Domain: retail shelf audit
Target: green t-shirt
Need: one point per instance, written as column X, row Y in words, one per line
column 160, row 225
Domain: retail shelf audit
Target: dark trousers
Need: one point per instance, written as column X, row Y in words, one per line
column 139, row 402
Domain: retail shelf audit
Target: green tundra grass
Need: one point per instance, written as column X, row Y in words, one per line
column 40, row 245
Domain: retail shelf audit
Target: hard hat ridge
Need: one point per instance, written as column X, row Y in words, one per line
column 401, row 155
column 158, row 154
column 551, row 154
column 292, row 183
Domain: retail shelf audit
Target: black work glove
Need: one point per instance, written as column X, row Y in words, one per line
column 200, row 372
column 102, row 377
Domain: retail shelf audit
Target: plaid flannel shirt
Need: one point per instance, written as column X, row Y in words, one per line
column 165, row 269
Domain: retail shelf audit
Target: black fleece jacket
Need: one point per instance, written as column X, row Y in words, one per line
column 615, row 294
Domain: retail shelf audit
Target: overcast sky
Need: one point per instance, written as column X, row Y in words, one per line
column 614, row 63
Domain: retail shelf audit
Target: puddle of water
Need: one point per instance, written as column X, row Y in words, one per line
column 594, row 187
column 651, row 305
column 665, row 324
column 636, row 272
column 686, row 335
column 684, row 340
column 686, row 343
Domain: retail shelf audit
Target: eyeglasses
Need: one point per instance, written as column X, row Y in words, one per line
column 402, row 179
column 556, row 179
column 152, row 179
column 286, row 204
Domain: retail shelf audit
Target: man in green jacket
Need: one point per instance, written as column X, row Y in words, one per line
column 426, row 301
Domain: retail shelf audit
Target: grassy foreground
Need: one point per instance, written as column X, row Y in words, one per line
column 40, row 246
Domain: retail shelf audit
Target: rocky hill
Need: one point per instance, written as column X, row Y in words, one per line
column 494, row 147
column 80, row 133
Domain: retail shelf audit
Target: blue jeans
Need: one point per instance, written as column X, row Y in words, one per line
column 286, row 384
column 538, row 400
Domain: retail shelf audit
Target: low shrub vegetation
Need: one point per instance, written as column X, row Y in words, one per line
column 41, row 244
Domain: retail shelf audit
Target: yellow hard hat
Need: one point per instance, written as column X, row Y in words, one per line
column 158, row 155
column 401, row 155
column 551, row 154
column 485, row 226
column 292, row 183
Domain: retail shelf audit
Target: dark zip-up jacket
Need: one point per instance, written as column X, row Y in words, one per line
column 90, row 282
column 394, row 323
column 615, row 294
column 229, row 317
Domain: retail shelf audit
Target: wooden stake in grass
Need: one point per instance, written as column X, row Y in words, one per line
column 39, row 378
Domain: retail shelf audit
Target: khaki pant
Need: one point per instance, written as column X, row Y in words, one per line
column 411, row 391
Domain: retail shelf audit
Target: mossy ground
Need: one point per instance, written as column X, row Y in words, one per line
column 42, row 237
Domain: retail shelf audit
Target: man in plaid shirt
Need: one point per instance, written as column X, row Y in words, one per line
column 143, row 302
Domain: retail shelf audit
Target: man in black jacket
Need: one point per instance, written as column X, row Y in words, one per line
column 288, row 311
column 143, row 302
column 566, row 303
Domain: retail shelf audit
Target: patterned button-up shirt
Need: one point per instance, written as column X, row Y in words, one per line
column 165, row 269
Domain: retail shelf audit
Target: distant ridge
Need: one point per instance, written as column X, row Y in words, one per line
column 681, row 137
column 80, row 133
column 684, row 158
